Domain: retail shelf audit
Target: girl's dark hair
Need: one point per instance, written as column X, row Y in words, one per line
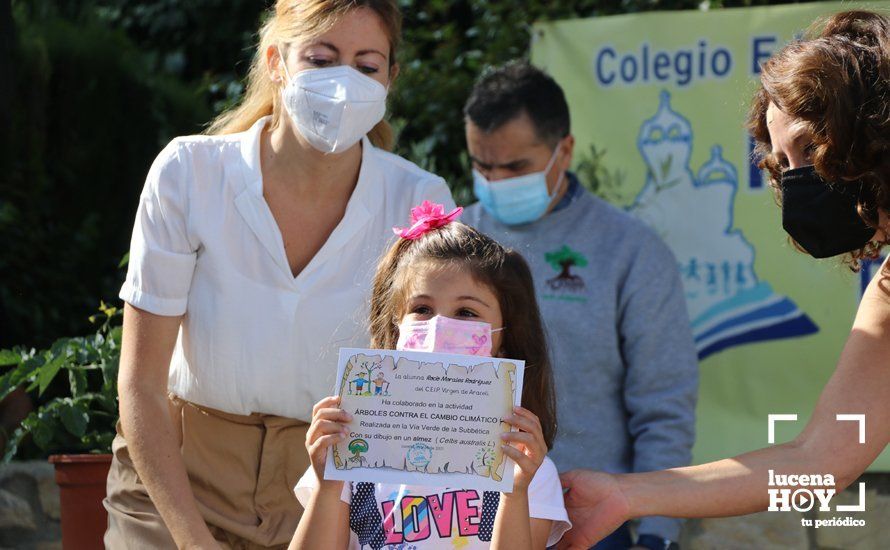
column 837, row 81
column 502, row 270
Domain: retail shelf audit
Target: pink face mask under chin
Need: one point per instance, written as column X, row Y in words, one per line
column 446, row 335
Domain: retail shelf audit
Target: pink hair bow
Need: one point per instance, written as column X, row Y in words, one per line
column 426, row 217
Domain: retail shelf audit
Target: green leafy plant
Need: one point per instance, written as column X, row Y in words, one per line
column 81, row 419
column 597, row 177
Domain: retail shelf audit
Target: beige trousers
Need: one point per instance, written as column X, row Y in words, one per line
column 242, row 470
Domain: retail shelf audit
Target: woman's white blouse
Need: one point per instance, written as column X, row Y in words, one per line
column 205, row 244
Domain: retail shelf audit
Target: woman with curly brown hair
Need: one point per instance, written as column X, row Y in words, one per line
column 822, row 122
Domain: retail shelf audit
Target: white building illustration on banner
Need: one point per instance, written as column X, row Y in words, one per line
column 693, row 213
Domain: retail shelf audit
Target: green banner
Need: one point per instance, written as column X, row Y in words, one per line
column 665, row 96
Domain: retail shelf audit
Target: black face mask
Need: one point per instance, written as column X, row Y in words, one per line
column 822, row 217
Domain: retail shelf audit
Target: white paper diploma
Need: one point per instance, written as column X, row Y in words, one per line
column 425, row 418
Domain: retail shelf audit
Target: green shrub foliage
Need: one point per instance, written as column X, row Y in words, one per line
column 81, row 417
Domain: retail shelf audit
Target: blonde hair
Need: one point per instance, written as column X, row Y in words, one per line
column 304, row 19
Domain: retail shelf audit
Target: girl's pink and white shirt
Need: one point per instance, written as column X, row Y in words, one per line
column 413, row 517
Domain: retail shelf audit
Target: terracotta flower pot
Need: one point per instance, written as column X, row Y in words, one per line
column 81, row 480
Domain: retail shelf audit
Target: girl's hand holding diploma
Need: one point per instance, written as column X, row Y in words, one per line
column 327, row 428
column 526, row 447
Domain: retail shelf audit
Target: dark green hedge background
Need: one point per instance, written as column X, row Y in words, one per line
column 90, row 91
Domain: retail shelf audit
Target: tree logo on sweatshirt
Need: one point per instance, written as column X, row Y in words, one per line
column 563, row 260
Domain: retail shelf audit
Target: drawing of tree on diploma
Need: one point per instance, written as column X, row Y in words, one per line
column 357, row 447
column 484, row 461
column 361, row 384
column 562, row 260
column 356, row 381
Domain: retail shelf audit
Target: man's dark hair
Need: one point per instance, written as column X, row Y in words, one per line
column 503, row 93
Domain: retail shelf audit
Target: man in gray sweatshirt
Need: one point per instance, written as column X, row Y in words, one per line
column 608, row 287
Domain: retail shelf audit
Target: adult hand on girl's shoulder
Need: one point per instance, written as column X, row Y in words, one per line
column 327, row 428
column 526, row 447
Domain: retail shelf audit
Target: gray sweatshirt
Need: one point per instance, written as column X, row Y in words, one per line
column 623, row 356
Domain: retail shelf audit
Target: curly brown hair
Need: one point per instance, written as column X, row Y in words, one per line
column 502, row 270
column 836, row 80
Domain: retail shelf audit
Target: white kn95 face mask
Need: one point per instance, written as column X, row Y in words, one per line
column 334, row 107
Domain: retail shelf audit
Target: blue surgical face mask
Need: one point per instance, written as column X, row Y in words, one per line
column 517, row 200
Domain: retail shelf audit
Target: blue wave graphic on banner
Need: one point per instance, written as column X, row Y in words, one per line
column 751, row 316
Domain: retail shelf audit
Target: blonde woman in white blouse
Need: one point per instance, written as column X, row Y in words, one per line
column 250, row 266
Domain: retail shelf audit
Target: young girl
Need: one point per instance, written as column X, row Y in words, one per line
column 442, row 268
